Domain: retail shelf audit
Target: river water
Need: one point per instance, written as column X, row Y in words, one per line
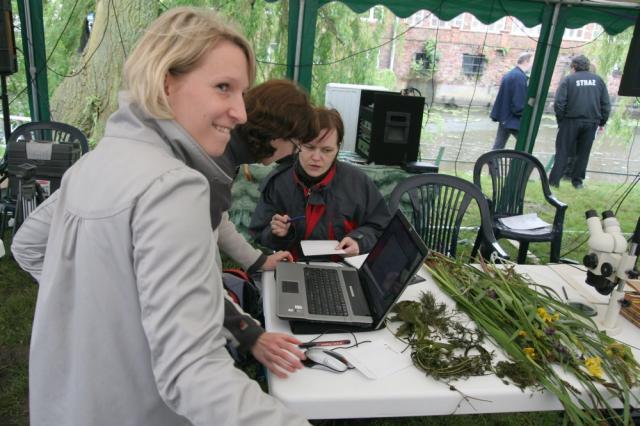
column 466, row 134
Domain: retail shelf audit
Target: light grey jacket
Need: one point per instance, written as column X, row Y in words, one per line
column 128, row 322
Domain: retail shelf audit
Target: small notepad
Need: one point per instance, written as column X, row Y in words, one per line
column 320, row 247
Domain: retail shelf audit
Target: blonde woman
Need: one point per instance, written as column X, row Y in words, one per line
column 128, row 321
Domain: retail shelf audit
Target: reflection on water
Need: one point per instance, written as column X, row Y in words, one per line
column 464, row 140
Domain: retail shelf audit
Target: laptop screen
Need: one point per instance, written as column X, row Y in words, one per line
column 390, row 265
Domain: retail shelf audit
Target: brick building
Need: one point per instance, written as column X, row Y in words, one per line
column 471, row 56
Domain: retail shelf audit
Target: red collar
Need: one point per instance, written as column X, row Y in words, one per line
column 324, row 182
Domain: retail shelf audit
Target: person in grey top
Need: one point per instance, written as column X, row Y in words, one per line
column 279, row 117
column 128, row 321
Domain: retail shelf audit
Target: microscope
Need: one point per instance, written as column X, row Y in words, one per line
column 610, row 263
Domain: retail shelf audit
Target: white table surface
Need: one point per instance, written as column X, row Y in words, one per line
column 318, row 394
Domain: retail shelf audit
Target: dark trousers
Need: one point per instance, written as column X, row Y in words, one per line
column 575, row 138
column 502, row 136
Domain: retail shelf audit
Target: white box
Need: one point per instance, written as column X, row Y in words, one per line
column 346, row 99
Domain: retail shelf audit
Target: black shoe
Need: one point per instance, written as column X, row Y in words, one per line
column 578, row 185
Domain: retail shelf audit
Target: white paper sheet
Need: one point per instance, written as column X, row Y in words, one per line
column 320, row 247
column 377, row 359
column 356, row 261
column 524, row 222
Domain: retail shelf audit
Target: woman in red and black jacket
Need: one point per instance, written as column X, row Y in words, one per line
column 317, row 197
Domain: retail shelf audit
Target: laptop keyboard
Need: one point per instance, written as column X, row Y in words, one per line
column 324, row 292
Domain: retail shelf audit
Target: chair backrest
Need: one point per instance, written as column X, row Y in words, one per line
column 510, row 171
column 436, row 204
column 50, row 131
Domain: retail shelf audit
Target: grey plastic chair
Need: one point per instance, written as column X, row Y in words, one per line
column 435, row 204
column 510, row 171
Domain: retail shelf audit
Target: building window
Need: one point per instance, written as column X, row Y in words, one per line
column 418, row 19
column 458, row 21
column 496, row 27
column 422, row 61
column 473, row 65
column 435, row 22
column 574, row 34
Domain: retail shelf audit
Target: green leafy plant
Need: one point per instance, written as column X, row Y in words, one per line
column 539, row 333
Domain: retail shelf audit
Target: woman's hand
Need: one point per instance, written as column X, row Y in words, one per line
column 350, row 246
column 280, row 225
column 278, row 352
column 272, row 261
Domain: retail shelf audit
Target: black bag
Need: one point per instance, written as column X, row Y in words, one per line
column 244, row 291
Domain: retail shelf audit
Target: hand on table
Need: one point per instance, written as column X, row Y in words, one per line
column 272, row 260
column 350, row 246
column 280, row 225
column 278, row 352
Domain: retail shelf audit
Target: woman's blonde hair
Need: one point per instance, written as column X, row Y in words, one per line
column 175, row 43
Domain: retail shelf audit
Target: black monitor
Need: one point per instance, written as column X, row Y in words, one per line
column 630, row 82
column 389, row 127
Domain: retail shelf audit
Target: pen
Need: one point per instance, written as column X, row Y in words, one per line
column 324, row 343
column 295, row 218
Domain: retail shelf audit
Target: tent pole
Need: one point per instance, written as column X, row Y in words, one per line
column 35, row 113
column 545, row 62
column 296, row 65
column 35, row 58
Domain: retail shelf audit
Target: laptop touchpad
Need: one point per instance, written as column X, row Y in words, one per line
column 289, row 286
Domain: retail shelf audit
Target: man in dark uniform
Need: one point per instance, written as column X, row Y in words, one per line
column 581, row 106
column 509, row 104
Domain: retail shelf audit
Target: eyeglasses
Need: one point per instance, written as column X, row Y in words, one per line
column 296, row 145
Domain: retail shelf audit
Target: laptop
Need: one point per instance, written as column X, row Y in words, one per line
column 339, row 296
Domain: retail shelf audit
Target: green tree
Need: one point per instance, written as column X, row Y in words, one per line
column 609, row 54
column 84, row 84
column 347, row 48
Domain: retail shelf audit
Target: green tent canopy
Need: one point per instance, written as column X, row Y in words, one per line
column 554, row 16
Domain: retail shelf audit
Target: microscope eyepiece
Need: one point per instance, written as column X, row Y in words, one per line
column 590, row 213
column 607, row 214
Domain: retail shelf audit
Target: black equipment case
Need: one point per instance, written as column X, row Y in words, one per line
column 51, row 159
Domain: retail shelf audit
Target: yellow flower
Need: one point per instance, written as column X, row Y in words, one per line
column 546, row 317
column 594, row 366
column 530, row 352
column 522, row 333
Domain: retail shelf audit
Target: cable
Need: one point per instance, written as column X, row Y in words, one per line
column 86, row 63
column 549, row 44
column 473, row 94
column 314, row 64
column 55, row 45
column 115, row 15
column 618, row 201
column 433, row 75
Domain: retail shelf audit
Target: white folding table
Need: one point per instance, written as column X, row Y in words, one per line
column 319, row 394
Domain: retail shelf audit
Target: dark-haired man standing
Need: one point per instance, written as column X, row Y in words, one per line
column 581, row 106
column 510, row 101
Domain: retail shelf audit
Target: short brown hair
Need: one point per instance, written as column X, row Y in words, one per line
column 175, row 43
column 331, row 119
column 277, row 109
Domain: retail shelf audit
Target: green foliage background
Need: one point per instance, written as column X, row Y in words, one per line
column 609, row 53
column 341, row 35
